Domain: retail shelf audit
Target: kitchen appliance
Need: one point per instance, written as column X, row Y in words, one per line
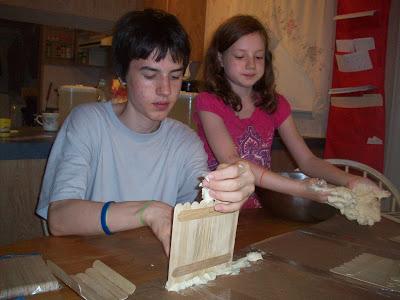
column 73, row 95
column 183, row 108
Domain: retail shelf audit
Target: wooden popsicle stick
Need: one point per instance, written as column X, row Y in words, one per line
column 114, row 277
column 199, row 233
column 64, row 277
column 95, row 286
column 24, row 274
column 201, row 265
column 87, row 292
column 107, row 284
column 199, row 213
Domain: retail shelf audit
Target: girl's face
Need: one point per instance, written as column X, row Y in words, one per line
column 243, row 62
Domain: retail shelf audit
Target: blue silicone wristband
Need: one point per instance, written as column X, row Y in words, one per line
column 103, row 216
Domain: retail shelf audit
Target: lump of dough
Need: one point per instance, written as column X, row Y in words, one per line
column 205, row 193
column 362, row 203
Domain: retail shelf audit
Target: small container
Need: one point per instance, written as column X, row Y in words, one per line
column 101, row 89
column 73, row 95
column 5, row 126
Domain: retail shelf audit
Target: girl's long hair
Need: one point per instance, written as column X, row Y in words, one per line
column 215, row 82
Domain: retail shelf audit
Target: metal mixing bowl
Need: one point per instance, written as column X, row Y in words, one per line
column 294, row 208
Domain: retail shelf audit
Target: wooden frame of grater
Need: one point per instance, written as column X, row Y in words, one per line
column 202, row 239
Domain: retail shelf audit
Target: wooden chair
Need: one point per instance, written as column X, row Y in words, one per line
column 393, row 213
column 45, row 227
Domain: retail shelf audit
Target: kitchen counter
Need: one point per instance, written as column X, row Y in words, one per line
column 27, row 143
column 297, row 259
column 35, row 143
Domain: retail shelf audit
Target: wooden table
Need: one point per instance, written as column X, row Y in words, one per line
column 136, row 254
column 297, row 259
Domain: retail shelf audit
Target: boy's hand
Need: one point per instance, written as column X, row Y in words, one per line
column 158, row 216
column 231, row 185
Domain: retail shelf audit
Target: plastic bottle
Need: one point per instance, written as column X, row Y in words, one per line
column 101, row 89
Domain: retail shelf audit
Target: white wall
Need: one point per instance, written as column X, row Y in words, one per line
column 313, row 121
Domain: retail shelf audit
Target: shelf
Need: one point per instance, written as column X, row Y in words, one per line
column 360, row 14
column 58, row 61
column 351, row 89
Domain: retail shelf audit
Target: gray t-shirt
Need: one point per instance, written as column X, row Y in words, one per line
column 96, row 157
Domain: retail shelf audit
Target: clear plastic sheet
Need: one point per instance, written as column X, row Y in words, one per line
column 24, row 275
column 377, row 270
column 297, row 265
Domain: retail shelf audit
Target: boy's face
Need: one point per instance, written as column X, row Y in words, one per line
column 153, row 89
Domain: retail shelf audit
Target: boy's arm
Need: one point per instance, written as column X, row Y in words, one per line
column 82, row 217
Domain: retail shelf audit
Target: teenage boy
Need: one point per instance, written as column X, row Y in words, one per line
column 116, row 167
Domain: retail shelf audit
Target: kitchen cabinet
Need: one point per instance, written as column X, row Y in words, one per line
column 94, row 15
column 192, row 15
column 70, row 56
column 60, row 46
column 93, row 49
column 57, row 45
column 20, row 182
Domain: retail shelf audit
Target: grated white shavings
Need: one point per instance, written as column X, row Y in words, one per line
column 232, row 268
column 205, row 193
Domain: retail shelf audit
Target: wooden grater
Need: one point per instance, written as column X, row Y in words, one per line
column 202, row 239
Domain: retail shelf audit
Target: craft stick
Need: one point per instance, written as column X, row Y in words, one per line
column 114, row 277
column 24, row 274
column 86, row 292
column 201, row 265
column 107, row 284
column 95, row 286
column 199, row 213
column 64, row 277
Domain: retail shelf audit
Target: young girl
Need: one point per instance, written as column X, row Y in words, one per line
column 237, row 115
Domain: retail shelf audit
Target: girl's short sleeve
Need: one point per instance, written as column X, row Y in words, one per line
column 209, row 102
column 282, row 112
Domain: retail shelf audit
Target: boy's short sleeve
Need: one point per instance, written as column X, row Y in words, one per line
column 282, row 112
column 68, row 166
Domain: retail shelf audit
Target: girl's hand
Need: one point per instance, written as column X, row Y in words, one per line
column 357, row 180
column 231, row 185
column 316, row 189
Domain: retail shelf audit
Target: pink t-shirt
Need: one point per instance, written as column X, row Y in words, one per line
column 252, row 136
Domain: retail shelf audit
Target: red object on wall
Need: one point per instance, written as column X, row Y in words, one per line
column 349, row 128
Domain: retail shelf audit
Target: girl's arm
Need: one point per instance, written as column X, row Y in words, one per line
column 225, row 151
column 307, row 161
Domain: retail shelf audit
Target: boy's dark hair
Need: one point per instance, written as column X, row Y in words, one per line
column 138, row 33
column 225, row 36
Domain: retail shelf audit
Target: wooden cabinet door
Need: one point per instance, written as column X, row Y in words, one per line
column 192, row 15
